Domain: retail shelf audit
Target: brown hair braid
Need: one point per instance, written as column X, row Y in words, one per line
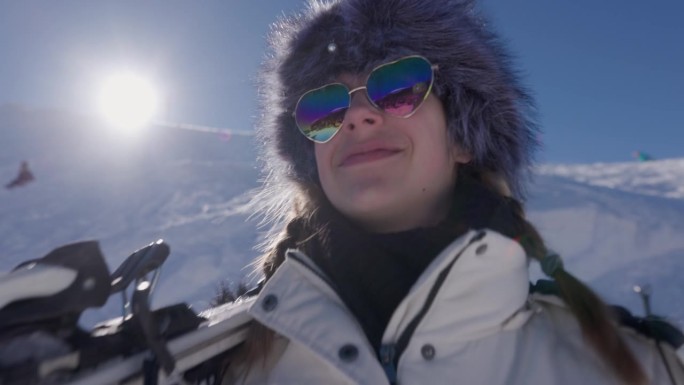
column 597, row 325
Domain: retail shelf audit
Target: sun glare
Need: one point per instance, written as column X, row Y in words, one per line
column 128, row 101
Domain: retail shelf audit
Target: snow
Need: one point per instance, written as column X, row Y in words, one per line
column 614, row 239
column 657, row 178
column 616, row 225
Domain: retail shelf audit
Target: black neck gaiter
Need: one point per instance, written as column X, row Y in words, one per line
column 372, row 273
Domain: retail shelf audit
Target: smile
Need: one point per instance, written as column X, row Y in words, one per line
column 368, row 156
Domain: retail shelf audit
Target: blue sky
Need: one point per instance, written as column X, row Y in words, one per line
column 608, row 76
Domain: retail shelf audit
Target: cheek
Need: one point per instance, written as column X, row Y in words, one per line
column 323, row 153
column 326, row 172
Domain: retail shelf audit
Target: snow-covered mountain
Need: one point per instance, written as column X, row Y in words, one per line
column 662, row 178
column 616, row 225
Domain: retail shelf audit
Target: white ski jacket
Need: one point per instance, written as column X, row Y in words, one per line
column 469, row 319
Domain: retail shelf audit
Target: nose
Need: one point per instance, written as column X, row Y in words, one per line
column 361, row 112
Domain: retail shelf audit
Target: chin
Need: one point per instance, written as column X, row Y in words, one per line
column 372, row 215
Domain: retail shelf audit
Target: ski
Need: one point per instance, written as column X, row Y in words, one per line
column 226, row 328
column 41, row 342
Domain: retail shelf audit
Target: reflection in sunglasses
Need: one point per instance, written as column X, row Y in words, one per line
column 403, row 102
column 329, row 122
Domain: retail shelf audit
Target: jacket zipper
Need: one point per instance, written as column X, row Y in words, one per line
column 387, row 356
column 390, row 353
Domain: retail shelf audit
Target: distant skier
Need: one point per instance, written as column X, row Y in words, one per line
column 642, row 156
column 25, row 176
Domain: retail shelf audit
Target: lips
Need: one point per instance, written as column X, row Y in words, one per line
column 367, row 153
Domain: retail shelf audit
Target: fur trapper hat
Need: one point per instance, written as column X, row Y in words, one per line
column 488, row 112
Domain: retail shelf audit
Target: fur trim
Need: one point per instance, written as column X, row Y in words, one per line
column 488, row 112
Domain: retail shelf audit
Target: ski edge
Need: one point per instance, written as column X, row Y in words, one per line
column 212, row 338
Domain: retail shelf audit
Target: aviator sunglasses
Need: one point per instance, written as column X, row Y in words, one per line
column 397, row 88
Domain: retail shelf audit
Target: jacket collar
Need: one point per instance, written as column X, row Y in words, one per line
column 476, row 286
column 485, row 285
column 299, row 303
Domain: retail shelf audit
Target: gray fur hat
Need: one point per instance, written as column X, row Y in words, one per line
column 488, row 112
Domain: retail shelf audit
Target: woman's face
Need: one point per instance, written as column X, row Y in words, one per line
column 387, row 173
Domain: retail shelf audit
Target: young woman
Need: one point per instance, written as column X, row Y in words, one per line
column 397, row 141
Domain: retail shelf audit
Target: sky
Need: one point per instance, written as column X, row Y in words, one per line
column 607, row 75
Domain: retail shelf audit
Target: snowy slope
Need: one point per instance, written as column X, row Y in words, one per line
column 615, row 224
column 615, row 239
column 175, row 185
column 663, row 178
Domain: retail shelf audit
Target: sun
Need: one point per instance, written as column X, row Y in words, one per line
column 128, row 101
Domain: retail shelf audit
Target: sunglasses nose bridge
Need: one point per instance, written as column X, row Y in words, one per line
column 360, row 88
column 361, row 111
column 351, row 92
column 356, row 89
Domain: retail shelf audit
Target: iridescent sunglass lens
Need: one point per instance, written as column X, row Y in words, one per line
column 399, row 88
column 319, row 113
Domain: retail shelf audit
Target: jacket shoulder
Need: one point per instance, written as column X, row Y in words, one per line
column 657, row 343
column 652, row 326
